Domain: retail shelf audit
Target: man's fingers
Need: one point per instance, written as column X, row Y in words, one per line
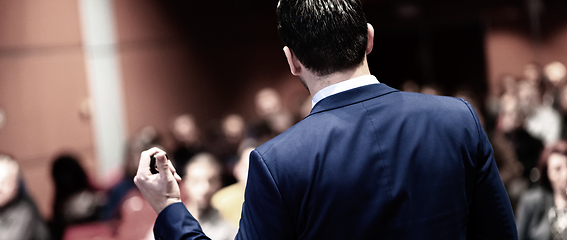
column 174, row 172
column 177, row 178
column 163, row 165
column 144, row 165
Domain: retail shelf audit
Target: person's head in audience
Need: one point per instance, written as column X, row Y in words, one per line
column 75, row 198
column 562, row 99
column 555, row 73
column 240, row 170
column 202, row 179
column 432, row 89
column 279, row 122
column 410, row 86
column 233, row 128
column 508, row 84
column 267, row 102
column 9, row 172
column 533, row 73
column 510, row 117
column 19, row 216
column 271, row 112
column 529, row 97
column 68, row 175
column 185, row 131
column 552, row 167
column 145, row 138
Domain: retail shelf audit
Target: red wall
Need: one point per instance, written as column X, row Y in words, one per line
column 42, row 86
column 509, row 49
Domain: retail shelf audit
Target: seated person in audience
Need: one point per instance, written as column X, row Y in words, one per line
column 201, row 180
column 187, row 137
column 542, row 211
column 76, row 200
column 229, row 199
column 145, row 138
column 126, row 213
column 19, row 217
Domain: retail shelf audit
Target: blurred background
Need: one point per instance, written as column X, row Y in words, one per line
column 86, row 76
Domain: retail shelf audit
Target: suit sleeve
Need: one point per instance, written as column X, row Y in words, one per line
column 176, row 223
column 490, row 215
column 264, row 213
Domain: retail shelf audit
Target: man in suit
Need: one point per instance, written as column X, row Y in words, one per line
column 369, row 162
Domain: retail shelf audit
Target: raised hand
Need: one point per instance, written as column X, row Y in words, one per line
column 161, row 189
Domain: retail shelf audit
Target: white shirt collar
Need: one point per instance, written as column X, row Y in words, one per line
column 343, row 86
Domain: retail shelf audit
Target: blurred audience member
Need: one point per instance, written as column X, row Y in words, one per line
column 432, row 89
column 223, row 139
column 202, row 179
column 273, row 117
column 305, row 108
column 553, row 78
column 509, row 166
column 468, row 95
column 233, row 131
column 508, row 140
column 555, row 73
column 267, row 102
column 535, row 99
column 410, row 86
column 542, row 211
column 507, row 87
column 233, row 127
column 529, row 97
column 561, row 106
column 187, row 140
column 542, row 121
column 279, row 122
column 226, row 137
column 533, row 73
column 137, row 218
column 300, row 106
column 511, row 124
column 144, row 139
column 19, row 217
column 228, row 200
column 76, row 200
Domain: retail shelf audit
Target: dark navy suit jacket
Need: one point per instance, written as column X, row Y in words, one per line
column 371, row 163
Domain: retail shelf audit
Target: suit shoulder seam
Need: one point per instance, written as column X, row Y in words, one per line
column 379, row 149
column 275, row 182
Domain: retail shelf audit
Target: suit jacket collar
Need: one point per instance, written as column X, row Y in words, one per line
column 352, row 96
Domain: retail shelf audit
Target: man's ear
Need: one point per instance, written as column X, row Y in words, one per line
column 370, row 39
column 294, row 64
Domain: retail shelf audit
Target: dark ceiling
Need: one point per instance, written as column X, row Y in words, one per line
column 247, row 17
column 432, row 42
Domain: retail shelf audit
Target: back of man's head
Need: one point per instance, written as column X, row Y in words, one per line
column 326, row 35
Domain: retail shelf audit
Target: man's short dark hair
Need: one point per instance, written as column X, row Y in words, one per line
column 325, row 35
